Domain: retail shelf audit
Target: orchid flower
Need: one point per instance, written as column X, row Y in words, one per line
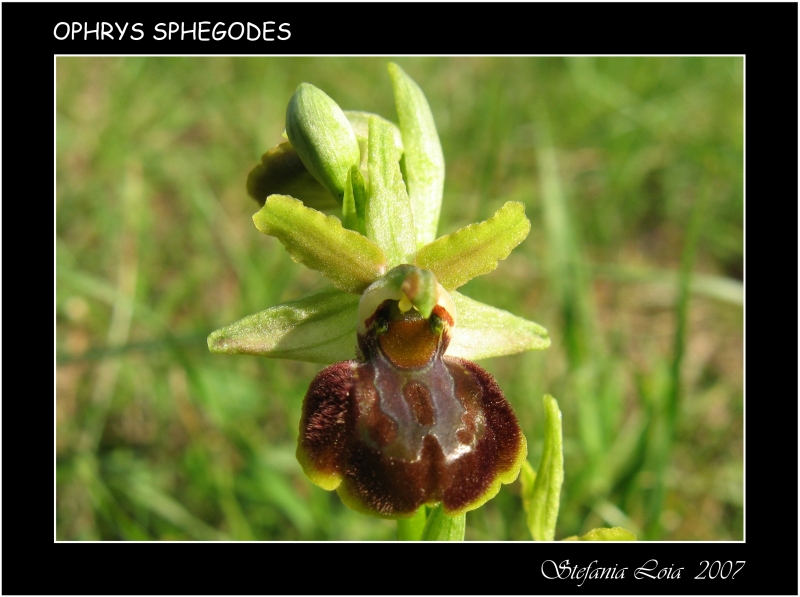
column 401, row 417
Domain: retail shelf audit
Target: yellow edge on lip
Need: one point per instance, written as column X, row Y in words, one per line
column 328, row 481
column 503, row 478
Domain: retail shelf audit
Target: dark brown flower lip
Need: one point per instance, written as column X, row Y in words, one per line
column 405, row 425
column 390, row 438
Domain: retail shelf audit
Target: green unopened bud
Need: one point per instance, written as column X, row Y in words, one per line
column 323, row 138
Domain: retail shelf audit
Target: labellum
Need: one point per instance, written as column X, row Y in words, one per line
column 404, row 424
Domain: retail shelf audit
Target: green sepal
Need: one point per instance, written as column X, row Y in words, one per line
column 319, row 327
column 482, row 331
column 424, row 161
column 604, row 534
column 389, row 221
column 349, row 260
column 441, row 527
column 323, row 138
column 475, row 249
column 541, row 491
column 281, row 172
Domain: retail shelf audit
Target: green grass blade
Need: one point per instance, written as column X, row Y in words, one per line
column 662, row 450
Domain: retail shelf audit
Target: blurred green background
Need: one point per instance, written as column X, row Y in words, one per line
column 631, row 170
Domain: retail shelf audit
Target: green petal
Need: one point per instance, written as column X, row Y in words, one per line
column 541, row 492
column 319, row 327
column 389, row 221
column 475, row 249
column 482, row 331
column 351, row 261
column 424, row 161
column 604, row 534
column 281, row 172
column 322, row 136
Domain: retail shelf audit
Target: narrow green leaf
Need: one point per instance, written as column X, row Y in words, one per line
column 482, row 331
column 389, row 221
column 351, row 261
column 424, row 161
column 319, row 327
column 441, row 527
column 541, row 498
column 281, row 172
column 475, row 249
column 410, row 529
column 604, row 534
column 322, row 136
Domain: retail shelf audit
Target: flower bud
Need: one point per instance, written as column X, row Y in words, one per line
column 323, row 138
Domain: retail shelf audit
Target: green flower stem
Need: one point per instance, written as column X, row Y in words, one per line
column 410, row 529
column 441, row 527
